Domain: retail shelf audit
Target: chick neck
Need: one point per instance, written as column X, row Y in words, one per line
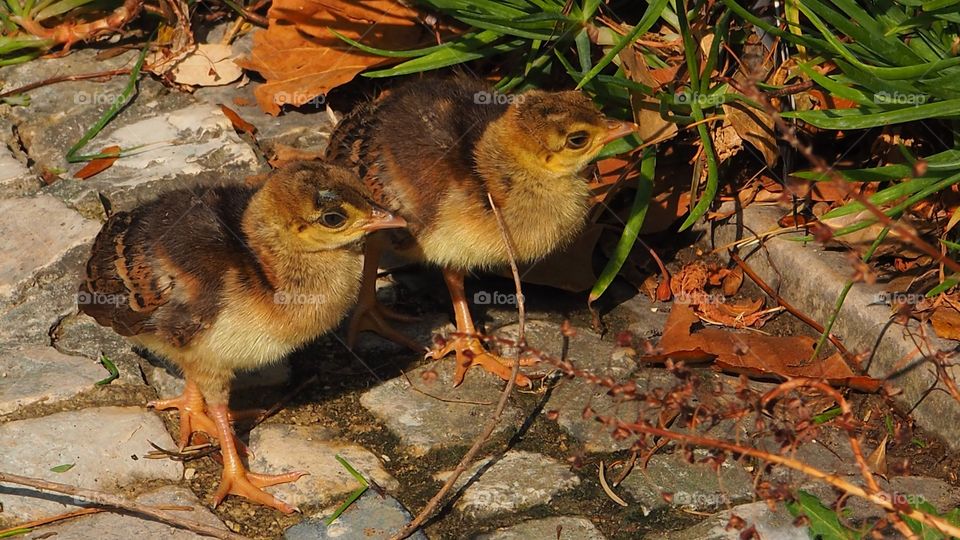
column 541, row 207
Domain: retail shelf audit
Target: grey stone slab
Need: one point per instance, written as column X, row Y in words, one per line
column 571, row 396
column 79, row 334
column 372, row 517
column 514, row 482
column 769, row 524
column 35, row 374
column 562, row 528
column 35, row 232
column 104, row 444
column 15, row 178
column 182, row 141
column 280, row 448
column 443, row 416
column 693, row 486
column 811, row 278
column 49, row 298
column 116, row 526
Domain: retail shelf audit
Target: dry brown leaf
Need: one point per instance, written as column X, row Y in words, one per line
column 751, row 354
column 732, row 281
column 239, row 123
column 301, row 58
column 877, row 460
column 946, row 322
column 755, row 127
column 280, row 154
column 210, row 64
column 99, row 165
column 646, row 109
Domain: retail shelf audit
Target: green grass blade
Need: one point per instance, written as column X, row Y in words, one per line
column 410, row 53
column 947, row 284
column 859, row 119
column 462, row 50
column 713, row 182
column 823, row 522
column 111, row 112
column 654, row 11
column 111, row 368
column 364, row 485
column 881, row 197
column 638, row 211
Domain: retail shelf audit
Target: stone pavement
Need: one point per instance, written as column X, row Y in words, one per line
column 404, row 431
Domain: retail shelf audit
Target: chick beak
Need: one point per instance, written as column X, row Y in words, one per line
column 381, row 219
column 617, row 129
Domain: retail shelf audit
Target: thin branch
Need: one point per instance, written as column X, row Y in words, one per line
column 65, row 78
column 120, row 503
column 52, row 519
column 787, row 306
column 467, row 458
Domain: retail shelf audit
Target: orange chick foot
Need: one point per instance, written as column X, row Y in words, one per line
column 238, row 481
column 372, row 316
column 471, row 352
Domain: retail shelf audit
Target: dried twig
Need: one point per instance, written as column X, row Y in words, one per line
column 467, row 458
column 789, row 307
column 48, row 520
column 120, row 503
column 65, row 78
column 878, row 498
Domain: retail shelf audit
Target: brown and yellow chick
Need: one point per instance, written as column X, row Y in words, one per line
column 430, row 152
column 232, row 278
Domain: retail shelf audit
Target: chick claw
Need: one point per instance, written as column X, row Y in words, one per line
column 240, row 482
column 471, row 352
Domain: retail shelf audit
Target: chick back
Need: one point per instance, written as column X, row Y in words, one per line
column 158, row 269
column 412, row 144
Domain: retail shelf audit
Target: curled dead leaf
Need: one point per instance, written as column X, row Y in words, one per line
column 99, row 165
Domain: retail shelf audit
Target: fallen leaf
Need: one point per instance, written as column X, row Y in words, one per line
column 281, row 154
column 210, row 64
column 946, row 322
column 732, row 282
column 755, row 127
column 239, row 123
column 651, row 125
column 62, row 468
column 99, row 165
column 755, row 355
column 301, row 58
column 877, row 460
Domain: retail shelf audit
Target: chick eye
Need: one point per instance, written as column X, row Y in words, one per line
column 577, row 140
column 333, row 218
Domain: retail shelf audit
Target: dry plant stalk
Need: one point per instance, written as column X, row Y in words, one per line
column 467, row 458
column 117, row 502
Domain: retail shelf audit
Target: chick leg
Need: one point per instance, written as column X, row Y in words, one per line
column 236, row 480
column 370, row 314
column 193, row 416
column 469, row 349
